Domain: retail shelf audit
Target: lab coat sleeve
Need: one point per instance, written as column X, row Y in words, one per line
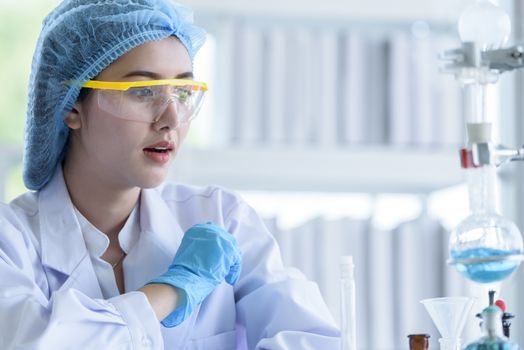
column 68, row 319
column 278, row 307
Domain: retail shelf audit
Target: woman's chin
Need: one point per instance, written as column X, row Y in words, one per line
column 153, row 180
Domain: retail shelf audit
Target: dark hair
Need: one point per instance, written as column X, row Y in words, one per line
column 84, row 92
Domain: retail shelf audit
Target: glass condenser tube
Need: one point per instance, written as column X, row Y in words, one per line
column 475, row 96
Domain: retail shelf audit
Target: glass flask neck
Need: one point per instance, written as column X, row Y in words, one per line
column 482, row 189
column 475, row 98
column 492, row 324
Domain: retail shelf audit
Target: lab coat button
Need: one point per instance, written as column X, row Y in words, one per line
column 146, row 342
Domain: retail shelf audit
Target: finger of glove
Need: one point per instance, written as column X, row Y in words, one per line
column 207, row 246
column 207, row 235
column 198, row 241
column 226, row 241
column 235, row 266
column 234, row 273
column 210, row 229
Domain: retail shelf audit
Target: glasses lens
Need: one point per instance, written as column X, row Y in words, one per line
column 147, row 104
column 186, row 101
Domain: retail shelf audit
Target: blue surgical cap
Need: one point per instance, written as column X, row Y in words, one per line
column 79, row 39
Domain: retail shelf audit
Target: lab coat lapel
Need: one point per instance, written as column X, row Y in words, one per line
column 159, row 240
column 157, row 220
column 63, row 246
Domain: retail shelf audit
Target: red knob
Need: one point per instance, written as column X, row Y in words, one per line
column 501, row 304
column 466, row 158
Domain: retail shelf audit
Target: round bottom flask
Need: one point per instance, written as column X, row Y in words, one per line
column 485, row 247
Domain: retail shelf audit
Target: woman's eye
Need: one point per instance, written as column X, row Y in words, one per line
column 183, row 93
column 142, row 92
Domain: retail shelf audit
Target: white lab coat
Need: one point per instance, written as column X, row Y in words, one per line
column 50, row 297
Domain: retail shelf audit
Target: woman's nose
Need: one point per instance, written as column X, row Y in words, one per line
column 169, row 118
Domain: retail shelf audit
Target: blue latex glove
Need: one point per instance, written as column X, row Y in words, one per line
column 207, row 256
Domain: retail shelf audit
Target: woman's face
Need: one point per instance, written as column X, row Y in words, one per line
column 127, row 153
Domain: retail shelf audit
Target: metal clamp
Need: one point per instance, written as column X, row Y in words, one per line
column 470, row 56
column 488, row 153
column 504, row 60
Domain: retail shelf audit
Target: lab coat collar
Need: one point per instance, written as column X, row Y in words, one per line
column 157, row 219
column 157, row 244
column 63, row 246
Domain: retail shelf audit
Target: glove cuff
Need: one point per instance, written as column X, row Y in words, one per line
column 192, row 295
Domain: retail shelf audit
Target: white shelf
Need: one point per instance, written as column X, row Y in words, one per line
column 358, row 169
column 400, row 10
column 367, row 169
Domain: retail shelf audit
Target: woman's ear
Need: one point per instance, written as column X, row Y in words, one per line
column 73, row 119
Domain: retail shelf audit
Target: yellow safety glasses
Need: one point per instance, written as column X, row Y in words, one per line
column 146, row 101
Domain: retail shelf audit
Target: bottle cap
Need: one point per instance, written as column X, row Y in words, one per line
column 346, row 260
column 347, row 267
column 422, row 335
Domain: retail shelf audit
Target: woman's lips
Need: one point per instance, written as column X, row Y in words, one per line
column 159, row 152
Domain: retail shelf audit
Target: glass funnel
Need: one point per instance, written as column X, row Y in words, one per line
column 449, row 314
column 485, row 247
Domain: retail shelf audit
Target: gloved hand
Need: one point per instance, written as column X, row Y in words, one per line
column 207, row 256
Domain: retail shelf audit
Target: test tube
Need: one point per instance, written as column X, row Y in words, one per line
column 347, row 304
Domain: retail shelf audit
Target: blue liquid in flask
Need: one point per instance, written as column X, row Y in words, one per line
column 486, row 272
column 492, row 345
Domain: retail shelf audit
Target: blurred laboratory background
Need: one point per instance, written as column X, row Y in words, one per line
column 332, row 120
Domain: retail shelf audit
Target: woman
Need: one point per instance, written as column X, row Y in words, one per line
column 101, row 251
